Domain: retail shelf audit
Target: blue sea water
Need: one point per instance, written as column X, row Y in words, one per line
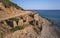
column 53, row 15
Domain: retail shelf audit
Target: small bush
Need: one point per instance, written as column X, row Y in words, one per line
column 14, row 19
column 17, row 28
column 8, row 4
column 2, row 22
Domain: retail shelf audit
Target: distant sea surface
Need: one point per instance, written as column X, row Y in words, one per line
column 53, row 15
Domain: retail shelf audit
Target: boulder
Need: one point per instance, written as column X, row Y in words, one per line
column 20, row 22
column 14, row 24
column 36, row 17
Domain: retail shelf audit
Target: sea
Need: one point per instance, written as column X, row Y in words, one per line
column 53, row 15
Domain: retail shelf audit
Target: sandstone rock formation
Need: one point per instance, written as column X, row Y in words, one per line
column 17, row 23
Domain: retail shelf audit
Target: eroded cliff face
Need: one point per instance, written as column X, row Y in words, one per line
column 40, row 29
column 34, row 27
column 17, row 23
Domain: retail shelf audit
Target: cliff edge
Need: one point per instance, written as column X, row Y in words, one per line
column 17, row 23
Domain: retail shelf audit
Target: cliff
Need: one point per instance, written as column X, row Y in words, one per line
column 17, row 23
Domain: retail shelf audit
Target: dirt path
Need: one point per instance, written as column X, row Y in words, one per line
column 15, row 15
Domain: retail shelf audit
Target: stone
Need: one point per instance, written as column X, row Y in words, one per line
column 20, row 22
column 28, row 19
column 14, row 24
column 5, row 23
column 1, row 6
column 36, row 17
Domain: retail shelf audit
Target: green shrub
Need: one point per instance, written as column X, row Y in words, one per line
column 2, row 22
column 17, row 28
column 14, row 19
column 8, row 3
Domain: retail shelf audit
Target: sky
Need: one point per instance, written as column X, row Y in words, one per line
column 38, row 4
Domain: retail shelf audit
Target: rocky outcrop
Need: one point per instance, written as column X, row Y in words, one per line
column 14, row 24
column 20, row 22
column 34, row 27
column 17, row 23
column 42, row 30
